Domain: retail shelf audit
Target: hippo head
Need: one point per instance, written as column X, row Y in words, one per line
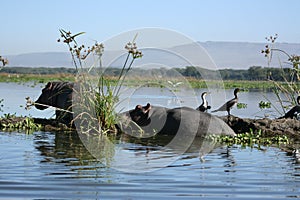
column 46, row 97
column 140, row 115
column 55, row 94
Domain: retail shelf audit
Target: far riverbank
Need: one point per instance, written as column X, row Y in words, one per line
column 193, row 82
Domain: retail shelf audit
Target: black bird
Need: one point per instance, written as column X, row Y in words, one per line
column 204, row 106
column 229, row 104
column 294, row 112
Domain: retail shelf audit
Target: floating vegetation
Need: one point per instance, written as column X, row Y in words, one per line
column 241, row 105
column 250, row 139
column 9, row 122
column 264, row 104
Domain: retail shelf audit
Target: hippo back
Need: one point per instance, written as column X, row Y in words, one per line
column 182, row 120
column 192, row 121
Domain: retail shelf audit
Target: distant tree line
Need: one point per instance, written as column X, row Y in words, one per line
column 255, row 73
column 37, row 70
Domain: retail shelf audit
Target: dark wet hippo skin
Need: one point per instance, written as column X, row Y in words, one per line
column 58, row 95
column 172, row 121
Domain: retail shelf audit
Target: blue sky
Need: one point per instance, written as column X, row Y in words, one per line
column 33, row 25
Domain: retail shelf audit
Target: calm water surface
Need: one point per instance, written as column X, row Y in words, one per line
column 14, row 99
column 46, row 165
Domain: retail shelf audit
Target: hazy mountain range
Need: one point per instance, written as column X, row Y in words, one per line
column 235, row 55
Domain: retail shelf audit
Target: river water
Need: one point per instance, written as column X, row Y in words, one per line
column 48, row 165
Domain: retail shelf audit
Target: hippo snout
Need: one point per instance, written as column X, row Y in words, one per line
column 38, row 106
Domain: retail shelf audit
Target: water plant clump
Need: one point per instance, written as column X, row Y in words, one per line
column 241, row 105
column 289, row 88
column 94, row 103
column 249, row 139
column 10, row 122
column 264, row 104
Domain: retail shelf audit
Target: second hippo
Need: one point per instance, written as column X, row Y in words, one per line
column 172, row 121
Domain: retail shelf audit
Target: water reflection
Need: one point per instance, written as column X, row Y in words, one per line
column 61, row 147
column 104, row 151
column 292, row 150
column 124, row 153
column 48, row 165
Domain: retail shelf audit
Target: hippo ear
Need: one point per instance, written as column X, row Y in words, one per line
column 147, row 108
column 138, row 107
column 49, row 85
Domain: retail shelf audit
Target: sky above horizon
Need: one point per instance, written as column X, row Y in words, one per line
column 33, row 25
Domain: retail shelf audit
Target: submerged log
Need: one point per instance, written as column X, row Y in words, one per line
column 268, row 127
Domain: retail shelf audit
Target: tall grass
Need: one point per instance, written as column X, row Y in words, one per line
column 94, row 102
column 289, row 88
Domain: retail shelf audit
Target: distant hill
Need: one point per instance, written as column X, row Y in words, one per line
column 241, row 55
column 45, row 59
column 234, row 55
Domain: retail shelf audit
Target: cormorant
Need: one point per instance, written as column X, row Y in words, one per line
column 294, row 111
column 229, row 104
column 204, row 106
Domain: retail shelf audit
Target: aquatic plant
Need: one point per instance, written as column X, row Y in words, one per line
column 264, row 104
column 95, row 104
column 289, row 88
column 249, row 139
column 241, row 105
column 9, row 122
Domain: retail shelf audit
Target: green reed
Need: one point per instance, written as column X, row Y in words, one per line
column 290, row 87
column 95, row 103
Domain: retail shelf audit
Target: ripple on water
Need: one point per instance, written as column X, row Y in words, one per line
column 53, row 166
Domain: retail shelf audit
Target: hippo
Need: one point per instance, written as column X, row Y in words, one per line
column 58, row 95
column 171, row 121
